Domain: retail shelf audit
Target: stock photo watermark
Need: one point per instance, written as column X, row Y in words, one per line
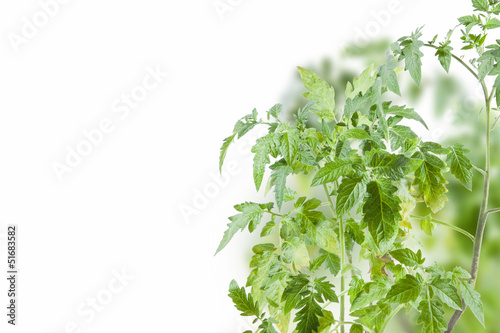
column 224, row 7
column 89, row 309
column 205, row 194
column 380, row 19
column 121, row 108
column 32, row 25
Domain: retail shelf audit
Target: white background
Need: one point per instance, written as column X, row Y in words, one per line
column 119, row 209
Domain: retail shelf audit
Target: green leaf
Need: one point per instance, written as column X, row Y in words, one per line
column 332, row 171
column 486, row 63
column 275, row 111
column 444, row 56
column 381, row 211
column 361, row 84
column 325, row 289
column 389, row 76
column 268, row 229
column 399, row 135
column 261, row 149
column 319, row 91
column 431, row 316
column 408, row 257
column 481, row 5
column 446, row 292
column 278, row 179
column 426, row 224
column 411, row 54
column 223, row 149
column 371, row 292
column 307, row 316
column 355, row 133
column 244, row 304
column 267, row 326
column 405, row 112
column 460, row 165
column 393, row 166
column 332, row 262
column 289, row 145
column 431, row 181
column 295, row 251
column 350, row 192
column 325, row 322
column 473, row 300
column 492, row 23
column 251, row 215
column 405, row 290
column 297, row 285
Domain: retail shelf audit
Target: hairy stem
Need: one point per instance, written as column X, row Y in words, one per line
column 483, row 212
column 451, row 226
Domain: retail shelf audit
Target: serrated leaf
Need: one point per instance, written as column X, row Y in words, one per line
column 431, row 316
column 408, row 257
column 293, row 291
column 289, row 145
column 355, row 133
column 223, row 149
column 261, row 149
column 481, row 5
column 447, row 293
column 410, row 52
column 486, row 63
column 350, row 192
column 332, row 171
column 389, row 76
column 242, row 302
column 307, row 317
column 295, row 251
column 326, row 322
column 361, row 84
column 405, row 290
column 473, row 300
column 444, row 56
column 325, row 289
column 319, row 91
column 332, row 262
column 267, row 326
column 275, row 111
column 268, row 229
column 460, row 165
column 399, row 134
column 492, row 23
column 278, row 179
column 405, row 112
column 431, row 181
column 381, row 211
column 251, row 215
column 371, row 292
column 393, row 166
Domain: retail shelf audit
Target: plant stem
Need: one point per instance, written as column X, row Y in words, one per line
column 391, row 315
column 342, row 259
column 494, row 210
column 451, row 226
column 459, row 60
column 483, row 212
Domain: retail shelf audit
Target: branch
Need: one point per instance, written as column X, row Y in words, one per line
column 494, row 210
column 457, row 59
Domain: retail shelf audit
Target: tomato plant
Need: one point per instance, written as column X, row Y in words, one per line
column 372, row 170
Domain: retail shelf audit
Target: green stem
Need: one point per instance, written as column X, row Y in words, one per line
column 494, row 210
column 483, row 212
column 342, row 258
column 451, row 226
column 459, row 60
column 391, row 315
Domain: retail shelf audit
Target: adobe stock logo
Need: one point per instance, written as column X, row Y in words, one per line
column 381, row 19
column 121, row 109
column 30, row 27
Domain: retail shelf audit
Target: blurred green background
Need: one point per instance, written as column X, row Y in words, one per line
column 455, row 112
